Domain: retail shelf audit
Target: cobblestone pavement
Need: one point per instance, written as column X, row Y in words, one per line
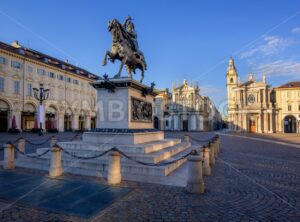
column 251, row 181
column 292, row 138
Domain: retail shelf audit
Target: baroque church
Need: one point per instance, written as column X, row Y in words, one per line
column 251, row 104
column 185, row 109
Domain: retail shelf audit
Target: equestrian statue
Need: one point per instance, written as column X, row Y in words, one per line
column 125, row 48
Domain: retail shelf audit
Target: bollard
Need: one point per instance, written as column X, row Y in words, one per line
column 9, row 157
column 215, row 145
column 55, row 164
column 53, row 141
column 114, row 168
column 186, row 138
column 195, row 182
column 206, row 165
column 211, row 156
column 21, row 144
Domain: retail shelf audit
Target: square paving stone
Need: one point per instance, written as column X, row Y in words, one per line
column 74, row 198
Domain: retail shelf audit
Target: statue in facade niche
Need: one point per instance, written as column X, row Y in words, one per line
column 125, row 48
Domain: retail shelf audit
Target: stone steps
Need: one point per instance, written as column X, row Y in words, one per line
column 99, row 166
column 154, row 157
column 134, row 148
column 130, row 169
column 155, row 152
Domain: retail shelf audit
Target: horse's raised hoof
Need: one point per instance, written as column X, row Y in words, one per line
column 116, row 76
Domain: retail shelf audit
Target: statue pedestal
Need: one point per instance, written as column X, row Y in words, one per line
column 125, row 113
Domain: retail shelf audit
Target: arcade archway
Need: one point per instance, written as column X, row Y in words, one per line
column 290, row 124
column 4, row 109
column 28, row 117
column 50, row 122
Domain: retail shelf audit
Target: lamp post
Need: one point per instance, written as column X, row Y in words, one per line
column 41, row 95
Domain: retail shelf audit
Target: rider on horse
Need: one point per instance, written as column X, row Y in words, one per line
column 129, row 28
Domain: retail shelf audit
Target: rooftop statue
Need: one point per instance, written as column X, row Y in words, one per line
column 125, row 48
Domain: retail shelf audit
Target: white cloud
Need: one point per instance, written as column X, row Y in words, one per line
column 288, row 68
column 271, row 45
column 296, row 30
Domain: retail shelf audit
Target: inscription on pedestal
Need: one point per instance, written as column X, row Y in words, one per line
column 141, row 111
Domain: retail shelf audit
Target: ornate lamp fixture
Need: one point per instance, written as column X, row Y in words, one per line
column 41, row 95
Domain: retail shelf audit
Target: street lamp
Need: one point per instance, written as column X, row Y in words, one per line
column 41, row 95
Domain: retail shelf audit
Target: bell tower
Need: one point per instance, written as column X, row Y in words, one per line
column 231, row 82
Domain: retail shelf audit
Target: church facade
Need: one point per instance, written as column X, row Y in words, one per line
column 185, row 109
column 251, row 104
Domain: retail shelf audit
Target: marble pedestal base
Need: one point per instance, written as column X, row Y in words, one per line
column 122, row 138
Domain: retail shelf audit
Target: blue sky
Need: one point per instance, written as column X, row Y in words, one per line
column 190, row 40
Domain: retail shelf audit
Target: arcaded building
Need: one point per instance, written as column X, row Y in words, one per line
column 288, row 102
column 72, row 100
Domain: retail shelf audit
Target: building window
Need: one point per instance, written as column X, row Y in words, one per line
column 2, row 84
column 41, row 72
column 52, row 75
column 16, row 87
column 15, row 64
column 29, row 69
column 68, row 79
column 2, row 60
column 288, row 94
column 289, row 107
column 231, row 80
column 298, row 107
column 61, row 77
column 29, row 89
column 75, row 81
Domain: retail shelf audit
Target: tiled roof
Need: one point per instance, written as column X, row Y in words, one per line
column 290, row 85
column 49, row 60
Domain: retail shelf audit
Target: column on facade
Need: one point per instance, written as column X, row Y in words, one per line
column 240, row 122
column 259, row 123
column 279, row 122
column 265, row 128
column 61, row 123
column 87, row 122
column 241, row 98
column 176, row 123
column 271, row 123
column 200, row 122
column 259, row 97
column 265, row 97
column 245, row 98
column 245, row 122
column 193, row 122
column 236, row 122
column 75, row 122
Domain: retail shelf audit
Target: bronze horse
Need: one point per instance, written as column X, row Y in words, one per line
column 122, row 49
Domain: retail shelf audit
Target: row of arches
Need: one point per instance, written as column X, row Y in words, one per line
column 290, row 124
column 27, row 119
